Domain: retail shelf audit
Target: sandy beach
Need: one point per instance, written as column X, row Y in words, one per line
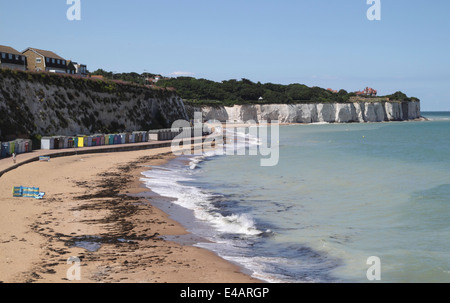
column 94, row 210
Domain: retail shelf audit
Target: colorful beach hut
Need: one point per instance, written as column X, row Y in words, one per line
column 70, row 142
column 28, row 145
column 116, row 139
column 123, row 138
column 2, row 150
column 81, row 141
column 5, row 150
column 111, row 139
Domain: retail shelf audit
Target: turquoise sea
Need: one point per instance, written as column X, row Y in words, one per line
column 340, row 194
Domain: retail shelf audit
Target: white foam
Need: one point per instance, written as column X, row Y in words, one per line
column 166, row 182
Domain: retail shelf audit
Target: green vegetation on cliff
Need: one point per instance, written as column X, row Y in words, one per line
column 33, row 104
column 205, row 92
column 127, row 77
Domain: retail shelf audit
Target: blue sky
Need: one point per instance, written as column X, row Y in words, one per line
column 326, row 43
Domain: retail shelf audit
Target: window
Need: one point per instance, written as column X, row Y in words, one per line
column 39, row 60
column 23, row 58
column 10, row 56
column 64, row 62
column 48, row 60
column 58, row 61
column 53, row 60
column 3, row 56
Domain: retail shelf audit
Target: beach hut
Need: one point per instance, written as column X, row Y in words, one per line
column 26, row 146
column 166, row 134
column 89, row 141
column 61, row 142
column 135, row 137
column 66, row 142
column 70, row 142
column 110, row 139
column 153, row 135
column 75, row 142
column 123, row 138
column 4, row 149
column 116, row 139
column 21, row 149
column 81, row 141
column 55, row 143
column 30, row 145
column 18, row 146
column 144, row 136
column 47, row 143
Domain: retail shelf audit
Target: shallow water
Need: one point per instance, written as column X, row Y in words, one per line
column 340, row 194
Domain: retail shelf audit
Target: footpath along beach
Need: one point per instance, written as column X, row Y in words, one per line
column 94, row 209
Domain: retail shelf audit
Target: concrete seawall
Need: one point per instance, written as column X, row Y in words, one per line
column 7, row 165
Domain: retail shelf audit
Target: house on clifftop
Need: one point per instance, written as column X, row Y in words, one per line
column 45, row 61
column 12, row 59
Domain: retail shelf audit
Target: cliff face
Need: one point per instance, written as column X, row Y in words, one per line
column 315, row 113
column 55, row 105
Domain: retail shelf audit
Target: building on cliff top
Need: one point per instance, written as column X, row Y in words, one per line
column 45, row 61
column 12, row 59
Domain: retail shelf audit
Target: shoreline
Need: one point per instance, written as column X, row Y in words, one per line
column 96, row 208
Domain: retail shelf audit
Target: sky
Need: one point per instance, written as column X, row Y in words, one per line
column 326, row 43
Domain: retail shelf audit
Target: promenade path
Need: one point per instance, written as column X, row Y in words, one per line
column 7, row 164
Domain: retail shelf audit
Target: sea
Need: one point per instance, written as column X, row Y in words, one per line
column 340, row 195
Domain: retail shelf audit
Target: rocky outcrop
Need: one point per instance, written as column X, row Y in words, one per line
column 46, row 104
column 316, row 113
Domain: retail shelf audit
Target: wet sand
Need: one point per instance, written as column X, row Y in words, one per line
column 94, row 210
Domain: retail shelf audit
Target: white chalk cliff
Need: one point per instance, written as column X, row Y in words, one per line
column 315, row 113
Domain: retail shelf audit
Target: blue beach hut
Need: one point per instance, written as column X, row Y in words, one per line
column 123, row 138
column 4, row 148
column 116, row 139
